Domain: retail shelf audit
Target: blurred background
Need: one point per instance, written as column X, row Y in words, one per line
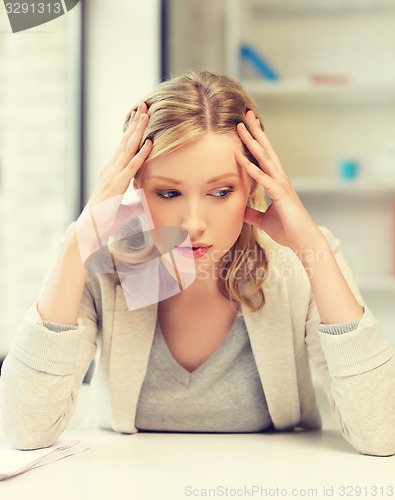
column 321, row 71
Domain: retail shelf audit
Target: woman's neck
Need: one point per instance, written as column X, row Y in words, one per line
column 201, row 288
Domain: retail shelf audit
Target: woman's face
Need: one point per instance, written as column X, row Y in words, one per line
column 200, row 188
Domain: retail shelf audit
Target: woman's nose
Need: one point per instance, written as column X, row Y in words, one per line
column 193, row 221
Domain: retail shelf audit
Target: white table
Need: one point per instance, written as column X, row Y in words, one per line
column 171, row 466
column 159, row 466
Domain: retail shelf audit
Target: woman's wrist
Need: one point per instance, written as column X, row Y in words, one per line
column 313, row 249
column 335, row 301
column 72, row 245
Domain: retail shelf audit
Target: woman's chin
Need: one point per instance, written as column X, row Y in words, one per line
column 180, row 266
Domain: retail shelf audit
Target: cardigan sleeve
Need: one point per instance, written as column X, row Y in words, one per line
column 338, row 328
column 357, row 369
column 41, row 376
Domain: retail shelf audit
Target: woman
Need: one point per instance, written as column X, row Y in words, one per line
column 230, row 351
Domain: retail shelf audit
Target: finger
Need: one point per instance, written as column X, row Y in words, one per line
column 131, row 148
column 133, row 123
column 132, row 115
column 258, row 133
column 263, row 179
column 135, row 138
column 259, row 153
column 141, row 110
column 138, row 160
column 131, row 128
column 254, row 217
column 135, row 116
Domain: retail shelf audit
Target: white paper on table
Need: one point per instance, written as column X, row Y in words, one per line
column 14, row 462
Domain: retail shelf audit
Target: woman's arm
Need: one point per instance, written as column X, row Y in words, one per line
column 56, row 340
column 356, row 363
column 42, row 374
column 61, row 297
column 335, row 301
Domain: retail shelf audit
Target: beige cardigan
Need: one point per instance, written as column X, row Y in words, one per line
column 44, row 369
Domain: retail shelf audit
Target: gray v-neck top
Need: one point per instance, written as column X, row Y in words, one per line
column 224, row 394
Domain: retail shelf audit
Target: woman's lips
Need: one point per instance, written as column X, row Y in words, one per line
column 196, row 251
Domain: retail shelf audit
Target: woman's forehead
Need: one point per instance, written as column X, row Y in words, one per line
column 210, row 152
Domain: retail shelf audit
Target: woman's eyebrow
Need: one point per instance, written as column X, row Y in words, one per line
column 210, row 181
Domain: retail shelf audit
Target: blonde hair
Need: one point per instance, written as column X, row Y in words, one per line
column 184, row 108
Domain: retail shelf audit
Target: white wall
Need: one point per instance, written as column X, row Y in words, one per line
column 37, row 163
column 38, row 129
column 123, row 65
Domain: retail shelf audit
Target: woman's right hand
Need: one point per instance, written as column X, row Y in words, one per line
column 104, row 214
column 127, row 160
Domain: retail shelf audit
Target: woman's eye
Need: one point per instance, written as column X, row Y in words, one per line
column 221, row 193
column 167, row 194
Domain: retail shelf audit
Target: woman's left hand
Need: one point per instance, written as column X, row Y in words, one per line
column 286, row 220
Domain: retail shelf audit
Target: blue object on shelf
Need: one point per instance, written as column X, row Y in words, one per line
column 348, row 169
column 258, row 62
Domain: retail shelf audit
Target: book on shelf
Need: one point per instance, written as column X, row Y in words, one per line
column 258, row 62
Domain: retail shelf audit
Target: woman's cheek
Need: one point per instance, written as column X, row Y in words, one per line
column 237, row 209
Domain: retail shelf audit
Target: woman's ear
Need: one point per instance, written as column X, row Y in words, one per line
column 254, row 187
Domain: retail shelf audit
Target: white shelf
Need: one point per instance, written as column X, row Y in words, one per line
column 303, row 6
column 338, row 186
column 372, row 91
column 377, row 283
